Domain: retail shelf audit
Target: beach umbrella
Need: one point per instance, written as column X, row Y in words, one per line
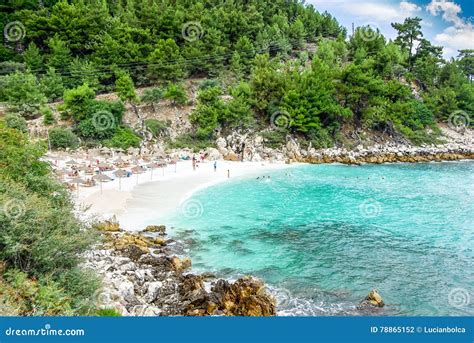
column 61, row 172
column 175, row 162
column 71, row 162
column 120, row 174
column 77, row 181
column 137, row 170
column 101, row 178
column 162, row 165
column 152, row 165
column 89, row 170
column 82, row 167
column 159, row 155
column 119, row 161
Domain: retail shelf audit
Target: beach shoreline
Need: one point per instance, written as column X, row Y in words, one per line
column 152, row 193
column 165, row 193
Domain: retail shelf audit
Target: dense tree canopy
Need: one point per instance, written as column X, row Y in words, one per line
column 265, row 57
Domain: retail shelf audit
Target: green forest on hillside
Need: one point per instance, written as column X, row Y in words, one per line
column 282, row 63
column 274, row 67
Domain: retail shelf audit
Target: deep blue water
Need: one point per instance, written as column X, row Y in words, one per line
column 322, row 236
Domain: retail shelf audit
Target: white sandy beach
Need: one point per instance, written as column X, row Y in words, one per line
column 140, row 200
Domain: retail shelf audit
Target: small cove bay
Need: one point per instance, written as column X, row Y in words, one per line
column 323, row 236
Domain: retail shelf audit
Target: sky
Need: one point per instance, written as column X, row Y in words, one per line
column 446, row 23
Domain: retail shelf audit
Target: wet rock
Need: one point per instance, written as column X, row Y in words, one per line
column 134, row 252
column 160, row 229
column 180, row 264
column 245, row 297
column 373, row 299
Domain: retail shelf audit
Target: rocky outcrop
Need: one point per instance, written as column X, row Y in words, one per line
column 244, row 297
column 144, row 276
column 457, row 145
column 160, row 229
column 372, row 300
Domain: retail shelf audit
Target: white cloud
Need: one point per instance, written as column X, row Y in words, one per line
column 409, row 7
column 456, row 38
column 460, row 35
column 450, row 11
column 381, row 12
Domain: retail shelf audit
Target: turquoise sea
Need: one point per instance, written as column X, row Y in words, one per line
column 323, row 236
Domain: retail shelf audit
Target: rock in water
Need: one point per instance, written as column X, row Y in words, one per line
column 373, row 299
column 160, row 229
column 244, row 298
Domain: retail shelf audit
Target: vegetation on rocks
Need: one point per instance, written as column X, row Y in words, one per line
column 40, row 238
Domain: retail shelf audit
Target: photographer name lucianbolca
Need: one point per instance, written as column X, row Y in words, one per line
column 446, row 329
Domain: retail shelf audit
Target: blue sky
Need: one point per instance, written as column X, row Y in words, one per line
column 448, row 23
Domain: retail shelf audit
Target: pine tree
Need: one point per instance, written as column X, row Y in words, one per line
column 33, row 58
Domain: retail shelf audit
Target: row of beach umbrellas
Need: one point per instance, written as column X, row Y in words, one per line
column 118, row 162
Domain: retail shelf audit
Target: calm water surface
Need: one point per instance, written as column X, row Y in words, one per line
column 322, row 236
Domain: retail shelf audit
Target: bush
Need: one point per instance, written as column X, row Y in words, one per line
column 30, row 297
column 17, row 122
column 192, row 141
column 274, row 139
column 40, row 237
column 101, row 119
column 60, row 138
column 157, row 127
column 76, row 102
column 152, row 96
column 177, row 94
column 124, row 138
column 48, row 117
column 22, row 93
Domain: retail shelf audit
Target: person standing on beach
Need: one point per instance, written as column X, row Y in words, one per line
column 228, row 173
column 215, row 166
column 194, row 162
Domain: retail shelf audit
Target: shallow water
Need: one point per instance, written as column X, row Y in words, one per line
column 322, row 236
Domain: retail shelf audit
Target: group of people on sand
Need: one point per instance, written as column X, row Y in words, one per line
column 202, row 157
column 263, row 177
